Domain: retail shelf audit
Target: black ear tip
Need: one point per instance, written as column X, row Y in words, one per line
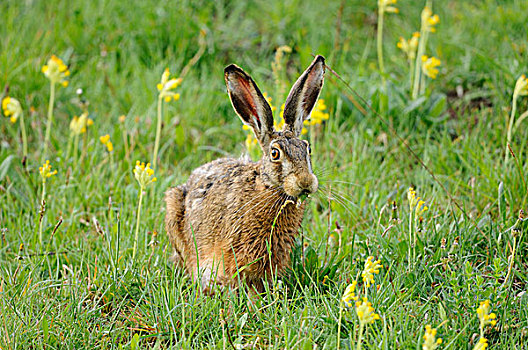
column 319, row 58
column 233, row 68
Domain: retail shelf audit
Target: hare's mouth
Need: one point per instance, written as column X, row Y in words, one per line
column 300, row 188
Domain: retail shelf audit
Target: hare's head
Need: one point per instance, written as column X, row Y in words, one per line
column 286, row 160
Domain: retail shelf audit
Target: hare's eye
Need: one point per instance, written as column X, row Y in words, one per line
column 275, row 154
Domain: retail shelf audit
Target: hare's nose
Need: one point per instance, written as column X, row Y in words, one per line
column 306, row 184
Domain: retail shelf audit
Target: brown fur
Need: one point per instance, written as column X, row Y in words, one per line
column 236, row 218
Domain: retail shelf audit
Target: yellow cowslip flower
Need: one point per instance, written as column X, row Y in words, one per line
column 365, row 312
column 277, row 67
column 12, row 109
column 269, row 99
column 430, row 341
column 105, row 140
column 279, row 54
column 318, row 115
column 521, row 86
column 484, row 315
column 429, row 65
column 429, row 20
column 45, row 171
column 415, row 203
column 251, row 142
column 482, row 344
column 144, row 174
column 280, row 124
column 78, row 124
column 56, row 71
column 411, row 197
column 371, row 267
column 349, row 295
column 166, row 85
column 409, row 46
column 385, row 6
column 421, row 208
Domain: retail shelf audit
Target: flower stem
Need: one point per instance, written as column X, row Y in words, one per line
column 125, row 141
column 417, row 65
column 24, row 135
column 380, row 47
column 510, row 128
column 42, row 208
column 360, row 336
column 75, row 146
column 512, row 259
column 50, row 117
column 137, row 223
column 410, row 236
column 421, row 49
column 339, row 327
column 158, row 134
column 411, row 73
column 414, row 239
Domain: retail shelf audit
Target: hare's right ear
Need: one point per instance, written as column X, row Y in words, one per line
column 249, row 103
column 303, row 96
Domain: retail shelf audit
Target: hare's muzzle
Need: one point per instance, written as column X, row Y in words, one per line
column 301, row 185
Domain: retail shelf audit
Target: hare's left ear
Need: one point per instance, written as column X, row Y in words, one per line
column 249, row 103
column 303, row 96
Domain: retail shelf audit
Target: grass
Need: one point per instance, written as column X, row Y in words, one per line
column 82, row 289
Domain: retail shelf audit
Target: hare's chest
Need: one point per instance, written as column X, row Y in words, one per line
column 267, row 245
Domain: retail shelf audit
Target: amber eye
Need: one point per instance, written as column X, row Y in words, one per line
column 275, row 154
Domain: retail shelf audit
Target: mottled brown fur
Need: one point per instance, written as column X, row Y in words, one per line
column 235, row 215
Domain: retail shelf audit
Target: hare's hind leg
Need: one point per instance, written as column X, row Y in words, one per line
column 175, row 201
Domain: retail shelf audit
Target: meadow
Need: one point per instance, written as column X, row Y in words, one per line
column 420, row 148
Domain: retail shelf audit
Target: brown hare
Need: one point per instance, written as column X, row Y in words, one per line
column 235, row 218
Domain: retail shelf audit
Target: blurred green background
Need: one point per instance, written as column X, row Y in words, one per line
column 83, row 291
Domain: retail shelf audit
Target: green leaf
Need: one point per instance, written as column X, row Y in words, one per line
column 307, row 344
column 180, row 135
column 441, row 312
column 415, row 104
column 134, row 342
column 437, row 107
column 45, row 329
column 4, row 167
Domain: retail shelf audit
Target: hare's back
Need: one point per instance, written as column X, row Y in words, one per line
column 219, row 181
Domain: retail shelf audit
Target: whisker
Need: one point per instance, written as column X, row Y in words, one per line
column 337, row 199
column 355, row 184
column 344, row 198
